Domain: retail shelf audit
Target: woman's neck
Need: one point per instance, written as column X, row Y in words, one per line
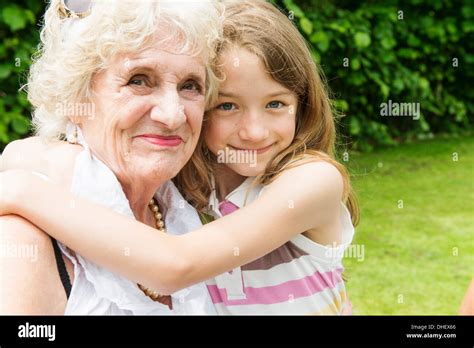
column 226, row 181
column 139, row 194
column 139, row 204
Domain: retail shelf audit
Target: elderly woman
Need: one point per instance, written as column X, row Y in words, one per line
column 127, row 80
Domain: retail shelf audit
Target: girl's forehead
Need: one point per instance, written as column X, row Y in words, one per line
column 237, row 52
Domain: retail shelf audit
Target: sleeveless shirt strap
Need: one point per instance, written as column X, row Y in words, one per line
column 65, row 280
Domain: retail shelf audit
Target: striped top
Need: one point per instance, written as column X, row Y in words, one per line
column 300, row 277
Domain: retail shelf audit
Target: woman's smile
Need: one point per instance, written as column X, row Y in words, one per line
column 162, row 140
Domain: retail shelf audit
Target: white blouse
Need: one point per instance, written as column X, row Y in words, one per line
column 95, row 290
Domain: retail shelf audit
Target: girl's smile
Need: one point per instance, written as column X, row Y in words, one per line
column 259, row 151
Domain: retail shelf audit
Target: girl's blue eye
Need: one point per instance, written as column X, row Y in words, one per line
column 226, row 106
column 275, row 104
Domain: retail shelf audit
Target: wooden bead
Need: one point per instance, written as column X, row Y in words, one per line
column 160, row 226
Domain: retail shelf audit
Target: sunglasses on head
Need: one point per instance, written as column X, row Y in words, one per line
column 74, row 8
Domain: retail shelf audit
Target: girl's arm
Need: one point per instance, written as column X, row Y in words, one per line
column 52, row 158
column 302, row 198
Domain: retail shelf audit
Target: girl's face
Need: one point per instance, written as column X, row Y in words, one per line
column 254, row 117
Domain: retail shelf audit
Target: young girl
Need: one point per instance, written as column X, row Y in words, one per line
column 265, row 160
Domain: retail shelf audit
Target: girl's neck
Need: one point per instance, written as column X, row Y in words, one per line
column 226, row 181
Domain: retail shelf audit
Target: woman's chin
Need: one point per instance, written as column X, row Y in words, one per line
column 157, row 167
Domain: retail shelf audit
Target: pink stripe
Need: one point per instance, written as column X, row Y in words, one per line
column 303, row 287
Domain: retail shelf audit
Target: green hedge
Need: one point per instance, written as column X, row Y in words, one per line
column 19, row 36
column 388, row 58
column 403, row 51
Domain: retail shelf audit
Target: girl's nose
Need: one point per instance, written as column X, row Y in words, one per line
column 253, row 128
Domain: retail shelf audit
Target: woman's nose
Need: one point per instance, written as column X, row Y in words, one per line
column 168, row 110
column 253, row 128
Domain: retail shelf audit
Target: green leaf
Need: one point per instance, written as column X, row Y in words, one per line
column 413, row 41
column 4, row 133
column 355, row 64
column 408, row 53
column 388, row 42
column 337, row 27
column 30, row 16
column 354, row 126
column 357, row 79
column 398, row 84
column 451, row 28
column 321, row 40
column 467, row 26
column 340, row 104
column 385, row 90
column 23, row 99
column 423, row 83
column 424, row 125
column 5, row 70
column 316, row 56
column 20, row 124
column 293, row 8
column 14, row 18
column 362, row 40
column 467, row 11
column 388, row 57
column 306, row 25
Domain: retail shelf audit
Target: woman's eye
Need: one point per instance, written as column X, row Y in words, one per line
column 226, row 106
column 138, row 80
column 275, row 104
column 192, row 86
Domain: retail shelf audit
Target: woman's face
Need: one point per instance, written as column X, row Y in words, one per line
column 149, row 108
column 254, row 117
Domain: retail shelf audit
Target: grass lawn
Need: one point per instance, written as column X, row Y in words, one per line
column 417, row 228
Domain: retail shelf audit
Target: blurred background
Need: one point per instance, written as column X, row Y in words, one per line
column 400, row 75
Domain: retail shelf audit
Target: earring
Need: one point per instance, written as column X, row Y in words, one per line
column 71, row 133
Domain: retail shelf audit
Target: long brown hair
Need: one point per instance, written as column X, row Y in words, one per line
column 261, row 28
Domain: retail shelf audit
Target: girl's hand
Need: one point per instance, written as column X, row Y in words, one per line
column 15, row 186
column 53, row 158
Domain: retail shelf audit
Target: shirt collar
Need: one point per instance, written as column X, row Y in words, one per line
column 240, row 196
